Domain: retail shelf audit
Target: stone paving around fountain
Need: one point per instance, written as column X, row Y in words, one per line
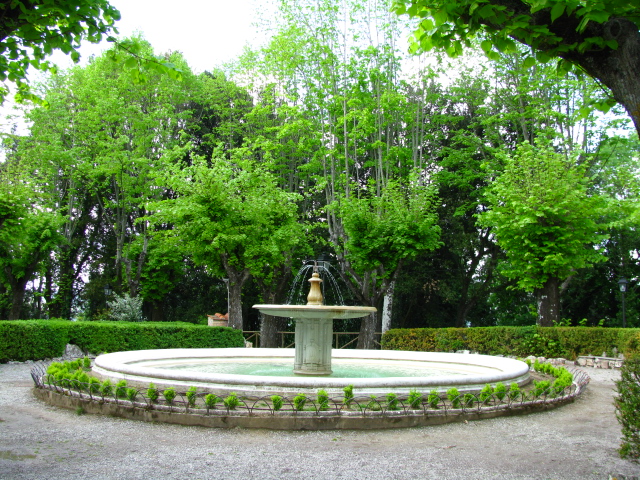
column 575, row 442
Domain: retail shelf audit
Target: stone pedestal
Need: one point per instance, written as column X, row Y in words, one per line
column 313, row 346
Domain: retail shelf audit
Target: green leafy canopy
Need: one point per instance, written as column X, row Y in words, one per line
column 543, row 216
column 451, row 25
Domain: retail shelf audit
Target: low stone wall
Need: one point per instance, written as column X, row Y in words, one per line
column 584, row 361
column 293, row 420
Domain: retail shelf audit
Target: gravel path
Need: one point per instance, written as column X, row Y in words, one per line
column 578, row 441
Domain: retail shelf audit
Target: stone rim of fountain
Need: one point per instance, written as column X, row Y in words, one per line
column 130, row 366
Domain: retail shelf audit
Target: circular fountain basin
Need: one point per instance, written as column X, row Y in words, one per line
column 222, row 370
column 315, row 311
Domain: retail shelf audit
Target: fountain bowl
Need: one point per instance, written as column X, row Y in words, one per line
column 315, row 311
column 467, row 372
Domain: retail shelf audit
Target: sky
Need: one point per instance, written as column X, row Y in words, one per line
column 207, row 32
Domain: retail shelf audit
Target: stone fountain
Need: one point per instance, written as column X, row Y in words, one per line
column 371, row 372
column 314, row 327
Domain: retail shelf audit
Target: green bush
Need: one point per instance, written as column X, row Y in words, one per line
column 210, row 400
column 132, row 393
column 468, row 399
column 152, row 393
column 500, row 391
column 348, row 394
column 121, row 389
column 23, row 340
column 323, row 400
column 433, row 399
column 627, row 407
column 106, row 388
column 40, row 339
column 454, row 397
column 299, row 401
column 541, row 387
column 125, row 309
column 169, row 395
column 486, row 394
column 231, row 401
column 566, row 342
column 514, row 391
column 415, row 399
column 94, row 385
column 632, row 347
column 392, row 401
column 277, row 402
column 192, row 395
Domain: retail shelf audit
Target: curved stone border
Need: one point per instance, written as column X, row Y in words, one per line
column 333, row 418
column 482, row 369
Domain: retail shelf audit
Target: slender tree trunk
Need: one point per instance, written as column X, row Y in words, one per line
column 548, row 300
column 366, row 338
column 387, row 307
column 237, row 279
column 60, row 305
column 271, row 293
column 4, row 311
column 157, row 311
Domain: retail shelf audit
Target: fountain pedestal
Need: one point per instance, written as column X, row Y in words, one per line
column 314, row 328
column 313, row 346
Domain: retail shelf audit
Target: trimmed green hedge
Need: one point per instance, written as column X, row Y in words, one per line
column 39, row 339
column 565, row 342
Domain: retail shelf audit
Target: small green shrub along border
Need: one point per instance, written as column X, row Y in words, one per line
column 23, row 340
column 70, row 385
column 549, row 342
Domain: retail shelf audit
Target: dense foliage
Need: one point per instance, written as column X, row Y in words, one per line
column 551, row 342
column 206, row 195
column 546, row 221
column 627, row 408
column 31, row 30
column 37, row 340
column 601, row 37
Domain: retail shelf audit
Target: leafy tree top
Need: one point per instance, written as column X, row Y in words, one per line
column 553, row 27
column 601, row 37
column 543, row 216
column 30, row 30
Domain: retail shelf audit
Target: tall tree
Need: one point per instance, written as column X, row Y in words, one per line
column 92, row 154
column 381, row 233
column 546, row 221
column 27, row 239
column 231, row 217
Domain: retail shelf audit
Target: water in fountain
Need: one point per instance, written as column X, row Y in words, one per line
column 300, row 287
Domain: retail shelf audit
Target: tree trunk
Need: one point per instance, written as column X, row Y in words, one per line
column 269, row 329
column 4, row 311
column 366, row 338
column 60, row 306
column 387, row 307
column 618, row 69
column 17, row 298
column 271, row 293
column 235, row 304
column 157, row 311
column 237, row 279
column 548, row 300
